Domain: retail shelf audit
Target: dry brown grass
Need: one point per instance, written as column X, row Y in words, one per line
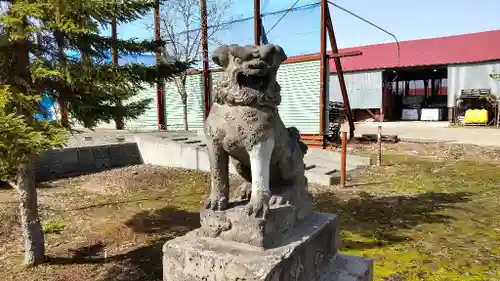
column 419, row 218
column 106, row 226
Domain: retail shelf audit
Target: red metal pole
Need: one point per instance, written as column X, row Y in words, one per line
column 343, row 161
column 160, row 96
column 340, row 72
column 204, row 47
column 322, row 71
column 257, row 24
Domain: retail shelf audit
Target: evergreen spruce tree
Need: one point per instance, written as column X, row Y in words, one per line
column 35, row 38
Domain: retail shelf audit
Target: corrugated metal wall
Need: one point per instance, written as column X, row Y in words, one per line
column 364, row 89
column 174, row 114
column 300, row 95
column 472, row 76
column 149, row 120
column 299, row 106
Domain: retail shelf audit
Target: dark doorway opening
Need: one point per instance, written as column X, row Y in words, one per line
column 415, row 94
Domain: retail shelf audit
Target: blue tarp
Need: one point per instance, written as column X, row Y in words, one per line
column 47, row 103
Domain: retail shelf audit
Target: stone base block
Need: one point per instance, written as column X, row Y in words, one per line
column 348, row 268
column 305, row 253
column 235, row 225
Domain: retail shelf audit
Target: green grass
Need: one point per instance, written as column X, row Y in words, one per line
column 417, row 217
column 421, row 219
column 54, row 225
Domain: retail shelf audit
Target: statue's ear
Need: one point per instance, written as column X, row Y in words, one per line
column 279, row 54
column 221, row 56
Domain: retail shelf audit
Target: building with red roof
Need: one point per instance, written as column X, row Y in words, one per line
column 421, row 83
column 433, row 71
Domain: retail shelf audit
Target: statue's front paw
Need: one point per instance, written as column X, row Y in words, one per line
column 279, row 200
column 258, row 207
column 216, row 203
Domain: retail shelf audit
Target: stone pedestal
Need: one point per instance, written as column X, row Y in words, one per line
column 235, row 225
column 278, row 249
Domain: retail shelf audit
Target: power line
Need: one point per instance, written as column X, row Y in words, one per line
column 276, row 23
column 263, row 14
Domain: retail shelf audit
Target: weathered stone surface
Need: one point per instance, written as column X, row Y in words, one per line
column 244, row 124
column 301, row 254
column 348, row 268
column 73, row 161
column 271, row 234
column 235, row 225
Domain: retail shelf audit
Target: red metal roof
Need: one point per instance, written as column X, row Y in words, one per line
column 466, row 48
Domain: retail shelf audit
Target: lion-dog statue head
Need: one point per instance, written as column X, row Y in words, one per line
column 249, row 76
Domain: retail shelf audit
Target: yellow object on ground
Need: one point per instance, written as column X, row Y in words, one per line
column 476, row 116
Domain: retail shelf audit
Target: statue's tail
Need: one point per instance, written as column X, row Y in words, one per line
column 295, row 136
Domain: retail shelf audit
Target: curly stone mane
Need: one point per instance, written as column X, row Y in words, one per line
column 249, row 77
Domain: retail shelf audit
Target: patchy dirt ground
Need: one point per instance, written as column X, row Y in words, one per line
column 109, row 226
column 419, row 218
column 439, row 151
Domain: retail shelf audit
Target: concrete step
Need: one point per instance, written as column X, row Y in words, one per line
column 348, row 268
column 189, row 152
column 198, row 141
column 322, row 175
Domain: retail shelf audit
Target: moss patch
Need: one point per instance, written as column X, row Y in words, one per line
column 422, row 219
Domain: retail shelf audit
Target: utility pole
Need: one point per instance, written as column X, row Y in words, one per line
column 114, row 56
column 160, row 97
column 204, row 49
column 323, row 75
column 257, row 22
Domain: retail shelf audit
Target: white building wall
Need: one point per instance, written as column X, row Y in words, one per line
column 364, row 88
column 473, row 76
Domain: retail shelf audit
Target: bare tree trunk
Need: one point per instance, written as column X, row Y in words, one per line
column 181, row 86
column 63, row 105
column 34, row 243
column 185, row 111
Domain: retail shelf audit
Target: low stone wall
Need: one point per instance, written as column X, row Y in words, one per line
column 176, row 154
column 74, row 161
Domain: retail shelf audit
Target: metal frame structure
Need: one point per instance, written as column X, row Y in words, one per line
column 326, row 30
column 327, row 27
column 204, row 48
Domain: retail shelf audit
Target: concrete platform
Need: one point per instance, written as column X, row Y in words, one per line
column 189, row 152
column 308, row 253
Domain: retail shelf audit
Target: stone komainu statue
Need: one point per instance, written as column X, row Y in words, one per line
column 244, row 125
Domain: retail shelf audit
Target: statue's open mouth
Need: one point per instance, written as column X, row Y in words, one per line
column 255, row 82
column 254, row 76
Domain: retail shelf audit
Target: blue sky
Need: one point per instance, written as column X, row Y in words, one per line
column 298, row 32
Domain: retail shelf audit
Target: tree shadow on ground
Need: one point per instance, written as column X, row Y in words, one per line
column 107, row 204
column 142, row 263
column 382, row 219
